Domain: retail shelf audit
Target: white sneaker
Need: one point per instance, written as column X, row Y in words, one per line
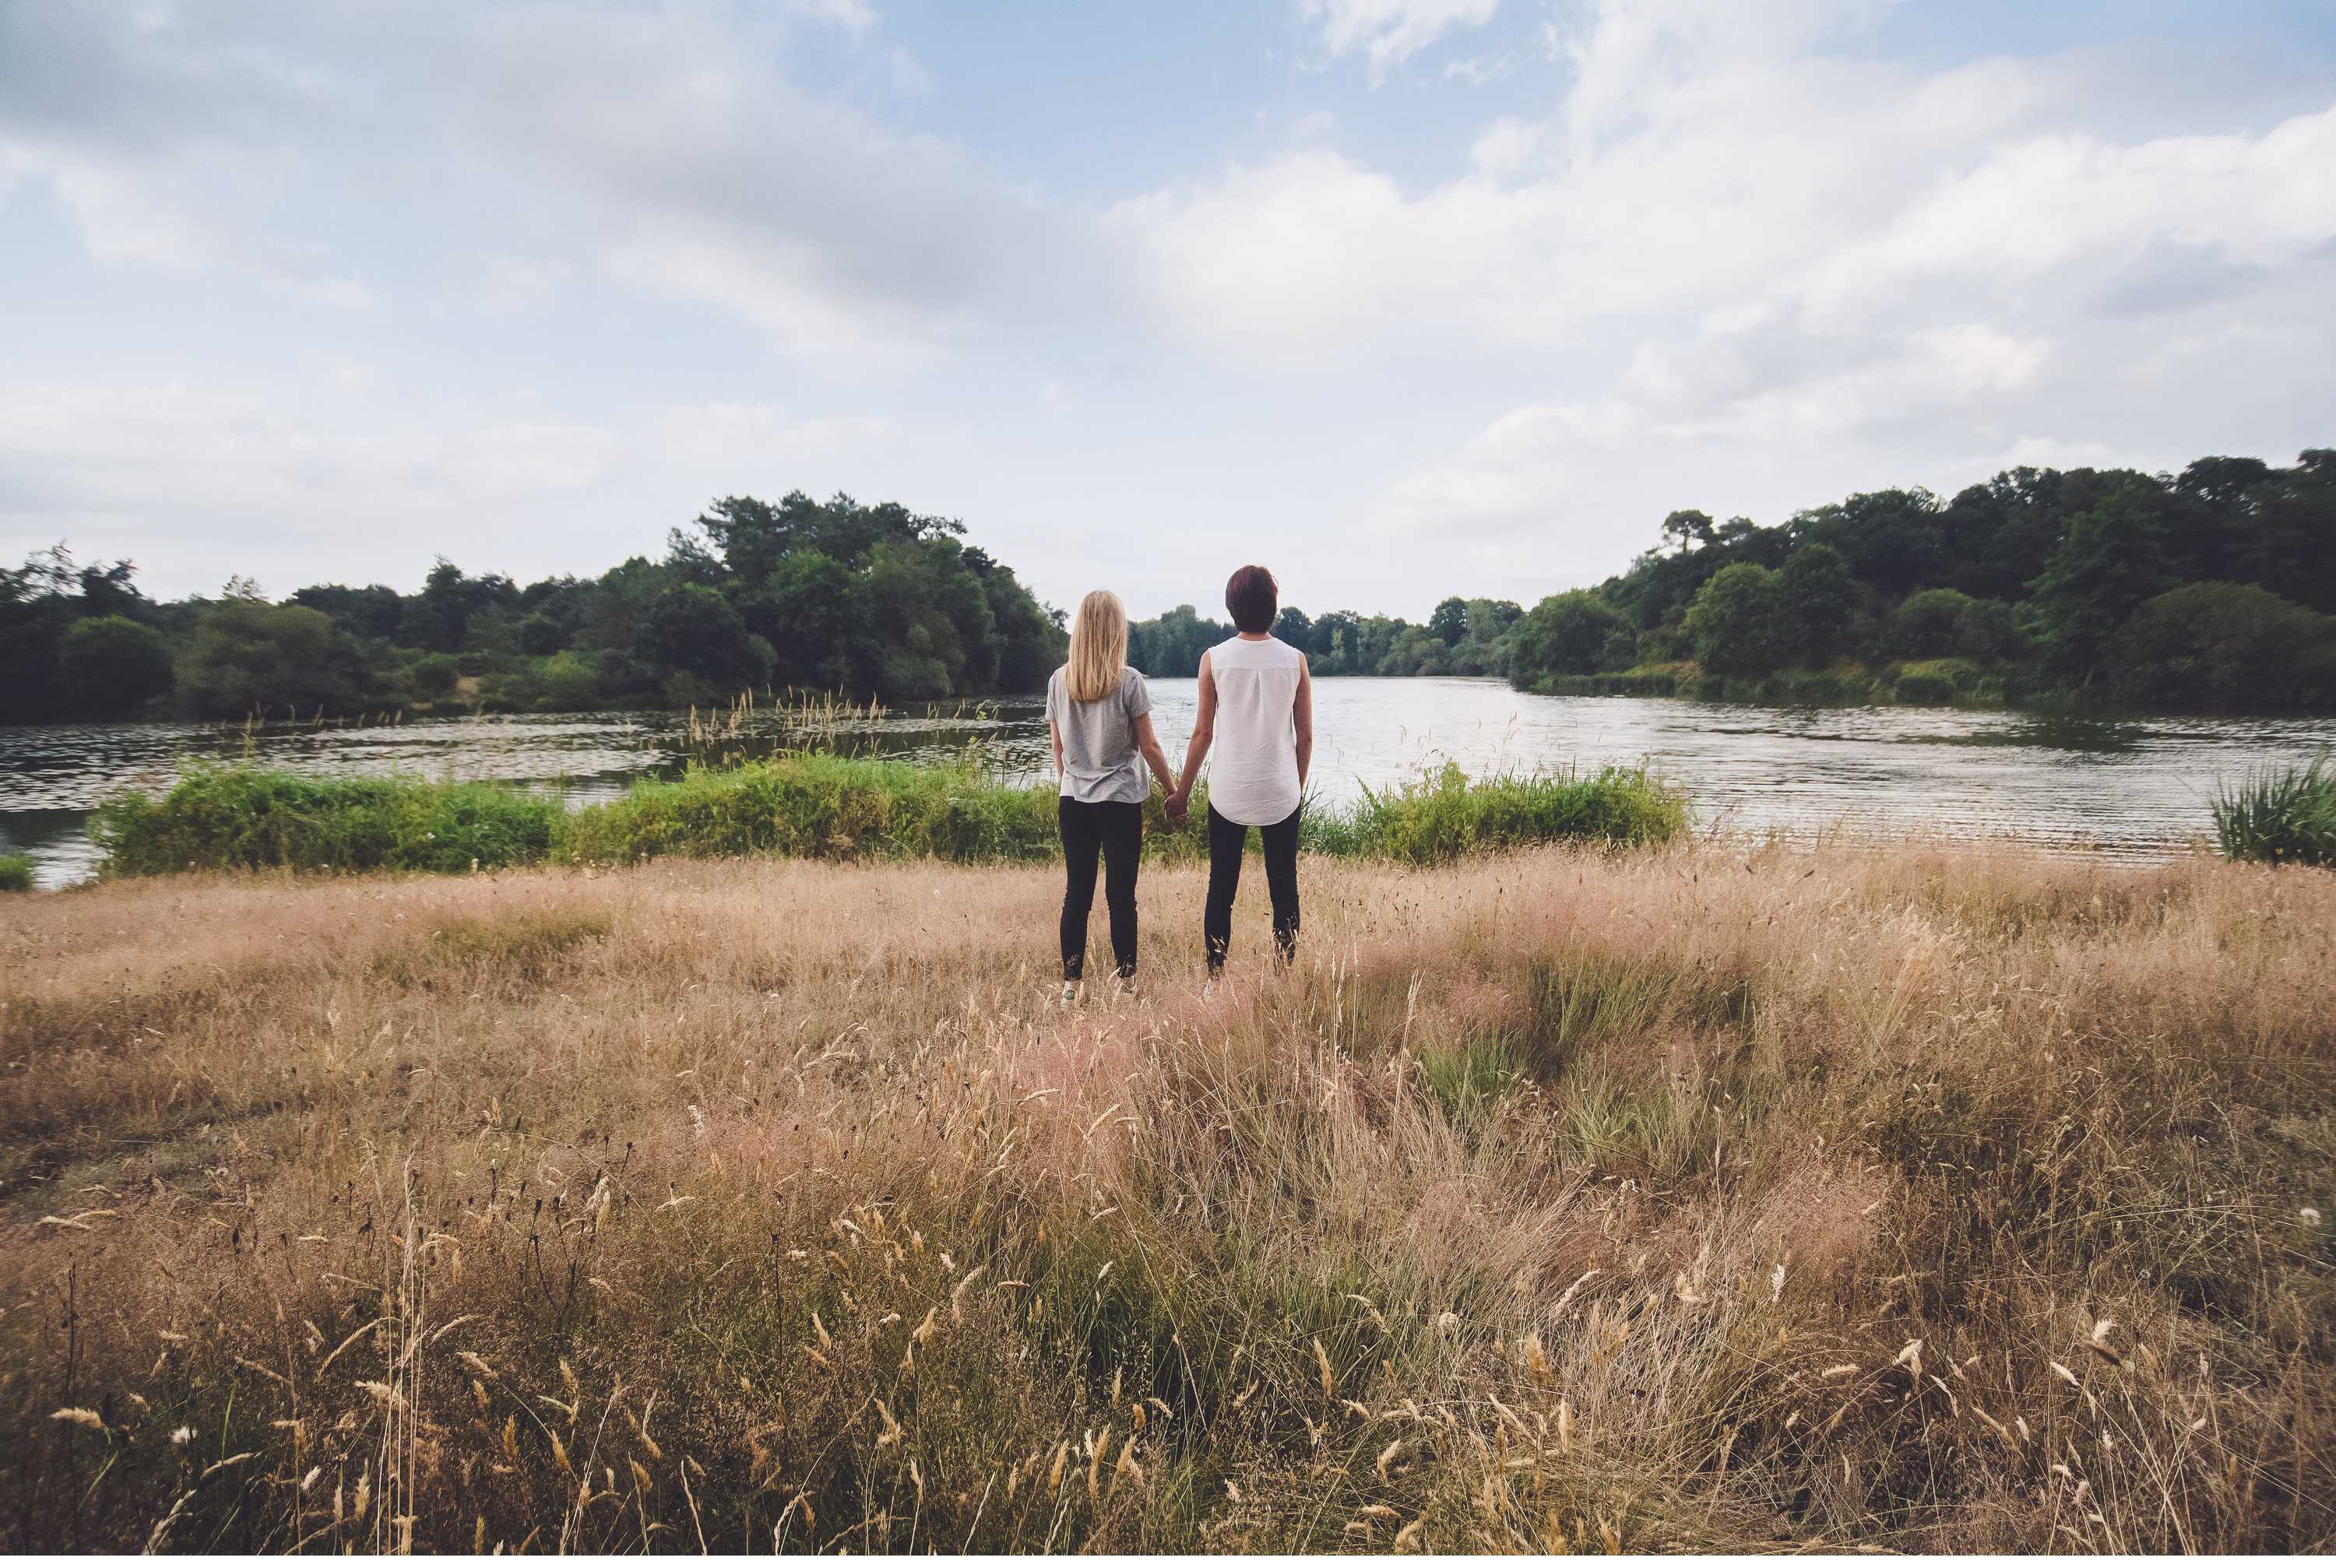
column 1070, row 994
column 1124, row 989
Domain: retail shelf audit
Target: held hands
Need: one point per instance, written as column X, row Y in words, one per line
column 1178, row 807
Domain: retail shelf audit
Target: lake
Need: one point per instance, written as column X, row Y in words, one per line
column 2133, row 788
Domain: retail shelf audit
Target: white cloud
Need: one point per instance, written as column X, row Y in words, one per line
column 1735, row 262
column 729, row 435
column 1390, row 32
column 852, row 15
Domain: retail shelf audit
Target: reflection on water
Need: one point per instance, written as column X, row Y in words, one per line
column 2126, row 787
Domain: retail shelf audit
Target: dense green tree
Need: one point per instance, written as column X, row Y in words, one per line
column 2285, row 540
column 374, row 612
column 1448, row 623
column 1820, row 604
column 112, row 666
column 691, row 630
column 1892, row 538
column 1168, row 646
column 1989, row 630
column 1924, row 627
column 1683, row 530
column 2110, row 558
column 275, row 660
column 1415, row 650
column 1740, row 622
column 2225, row 645
column 439, row 617
column 1566, row 634
column 40, row 602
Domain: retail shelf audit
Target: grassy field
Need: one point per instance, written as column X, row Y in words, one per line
column 1686, row 1198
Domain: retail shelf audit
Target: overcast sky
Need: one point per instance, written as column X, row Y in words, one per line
column 1403, row 297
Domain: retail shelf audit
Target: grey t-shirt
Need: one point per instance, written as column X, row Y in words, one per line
column 1100, row 762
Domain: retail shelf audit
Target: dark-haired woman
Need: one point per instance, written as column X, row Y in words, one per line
column 1256, row 709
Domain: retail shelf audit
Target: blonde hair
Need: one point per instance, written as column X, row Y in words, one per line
column 1098, row 647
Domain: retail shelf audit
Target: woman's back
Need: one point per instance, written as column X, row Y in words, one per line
column 1099, row 739
column 1253, row 778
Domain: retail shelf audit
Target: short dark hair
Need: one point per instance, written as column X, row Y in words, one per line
column 1251, row 596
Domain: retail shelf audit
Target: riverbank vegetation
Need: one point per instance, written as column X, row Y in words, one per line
column 2212, row 589
column 816, row 806
column 827, row 596
column 2215, row 589
column 1695, row 1199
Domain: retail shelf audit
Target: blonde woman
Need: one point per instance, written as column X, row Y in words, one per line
column 1099, row 715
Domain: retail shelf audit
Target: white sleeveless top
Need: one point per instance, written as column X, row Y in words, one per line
column 1253, row 780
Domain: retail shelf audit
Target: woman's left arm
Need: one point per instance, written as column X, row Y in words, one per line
column 1301, row 715
column 1055, row 733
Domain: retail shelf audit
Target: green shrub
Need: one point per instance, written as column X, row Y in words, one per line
column 818, row 806
column 2286, row 817
column 1445, row 815
column 1924, row 627
column 436, row 675
column 1988, row 630
column 814, row 807
column 1932, row 681
column 15, row 873
column 247, row 819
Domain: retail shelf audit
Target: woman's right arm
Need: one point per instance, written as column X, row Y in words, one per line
column 1301, row 720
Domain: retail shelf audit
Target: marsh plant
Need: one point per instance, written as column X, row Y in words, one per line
column 2285, row 816
column 1689, row 1198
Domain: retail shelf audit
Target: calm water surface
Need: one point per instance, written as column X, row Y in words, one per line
column 2129, row 787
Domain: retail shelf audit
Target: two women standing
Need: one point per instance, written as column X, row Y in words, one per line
column 1256, row 710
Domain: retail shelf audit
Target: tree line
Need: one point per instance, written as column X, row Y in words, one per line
column 1463, row 637
column 2212, row 588
column 833, row 596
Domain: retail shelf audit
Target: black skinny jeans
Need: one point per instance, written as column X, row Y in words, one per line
column 1117, row 829
column 1226, row 840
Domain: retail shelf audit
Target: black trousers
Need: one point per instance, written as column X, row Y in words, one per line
column 1226, row 840
column 1117, row 829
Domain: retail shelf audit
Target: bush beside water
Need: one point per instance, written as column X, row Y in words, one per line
column 248, row 818
column 823, row 807
column 2286, row 817
column 15, row 873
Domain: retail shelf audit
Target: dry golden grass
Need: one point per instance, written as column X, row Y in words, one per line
column 1711, row 1198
